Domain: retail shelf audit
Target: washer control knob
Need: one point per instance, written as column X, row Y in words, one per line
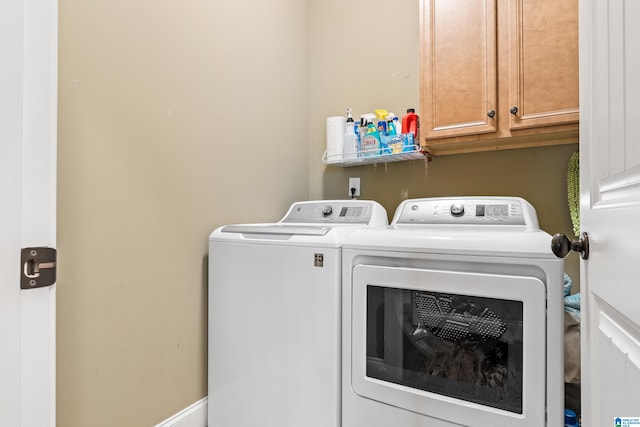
column 327, row 210
column 457, row 209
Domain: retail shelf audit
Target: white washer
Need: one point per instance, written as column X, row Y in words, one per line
column 274, row 316
column 452, row 316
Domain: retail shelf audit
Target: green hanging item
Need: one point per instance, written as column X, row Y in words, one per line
column 573, row 191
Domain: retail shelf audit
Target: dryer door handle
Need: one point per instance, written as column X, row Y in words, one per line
column 561, row 245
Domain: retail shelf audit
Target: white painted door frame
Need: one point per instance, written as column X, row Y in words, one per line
column 28, row 127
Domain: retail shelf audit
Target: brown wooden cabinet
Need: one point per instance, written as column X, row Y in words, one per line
column 498, row 74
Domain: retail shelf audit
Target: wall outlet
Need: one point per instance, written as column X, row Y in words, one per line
column 354, row 183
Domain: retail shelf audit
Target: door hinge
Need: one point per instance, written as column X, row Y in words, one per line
column 37, row 267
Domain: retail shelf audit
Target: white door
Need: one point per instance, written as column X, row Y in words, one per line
column 28, row 97
column 610, row 209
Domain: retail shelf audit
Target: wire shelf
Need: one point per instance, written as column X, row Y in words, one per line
column 338, row 160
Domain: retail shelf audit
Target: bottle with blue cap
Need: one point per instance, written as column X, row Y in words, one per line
column 570, row 418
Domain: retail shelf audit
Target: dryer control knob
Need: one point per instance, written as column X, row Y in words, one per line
column 327, row 210
column 457, row 209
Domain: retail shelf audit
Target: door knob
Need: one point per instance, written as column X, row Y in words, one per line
column 514, row 110
column 561, row 245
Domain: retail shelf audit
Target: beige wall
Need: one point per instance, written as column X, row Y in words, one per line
column 166, row 131
column 364, row 54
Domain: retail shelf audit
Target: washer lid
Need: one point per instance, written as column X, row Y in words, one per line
column 321, row 222
column 277, row 229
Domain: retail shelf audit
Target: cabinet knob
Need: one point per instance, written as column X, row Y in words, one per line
column 514, row 110
column 491, row 114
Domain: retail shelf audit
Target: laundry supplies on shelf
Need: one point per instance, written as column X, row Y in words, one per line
column 376, row 138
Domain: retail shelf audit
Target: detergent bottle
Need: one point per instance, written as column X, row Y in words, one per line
column 411, row 125
column 570, row 418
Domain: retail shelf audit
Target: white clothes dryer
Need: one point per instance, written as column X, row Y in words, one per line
column 274, row 316
column 453, row 316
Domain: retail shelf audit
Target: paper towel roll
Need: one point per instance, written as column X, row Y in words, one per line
column 335, row 138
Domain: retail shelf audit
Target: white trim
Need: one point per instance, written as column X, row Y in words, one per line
column 193, row 416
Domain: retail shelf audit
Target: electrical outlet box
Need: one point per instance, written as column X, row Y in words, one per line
column 354, row 183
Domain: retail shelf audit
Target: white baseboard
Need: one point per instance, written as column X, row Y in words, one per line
column 193, row 416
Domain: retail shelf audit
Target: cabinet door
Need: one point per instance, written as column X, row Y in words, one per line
column 458, row 67
column 543, row 64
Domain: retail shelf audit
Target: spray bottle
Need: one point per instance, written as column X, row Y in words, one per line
column 398, row 125
column 370, row 142
column 362, row 128
column 381, row 116
column 392, row 120
column 350, row 152
column 394, row 138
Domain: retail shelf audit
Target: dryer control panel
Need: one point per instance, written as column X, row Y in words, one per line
column 467, row 210
column 337, row 212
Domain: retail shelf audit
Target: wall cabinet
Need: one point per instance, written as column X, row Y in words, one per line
column 498, row 74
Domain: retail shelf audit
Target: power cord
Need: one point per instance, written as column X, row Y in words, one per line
column 353, row 192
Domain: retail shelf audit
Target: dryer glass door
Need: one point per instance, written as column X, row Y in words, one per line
column 455, row 345
column 451, row 338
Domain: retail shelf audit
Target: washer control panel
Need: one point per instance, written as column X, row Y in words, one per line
column 467, row 210
column 333, row 211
